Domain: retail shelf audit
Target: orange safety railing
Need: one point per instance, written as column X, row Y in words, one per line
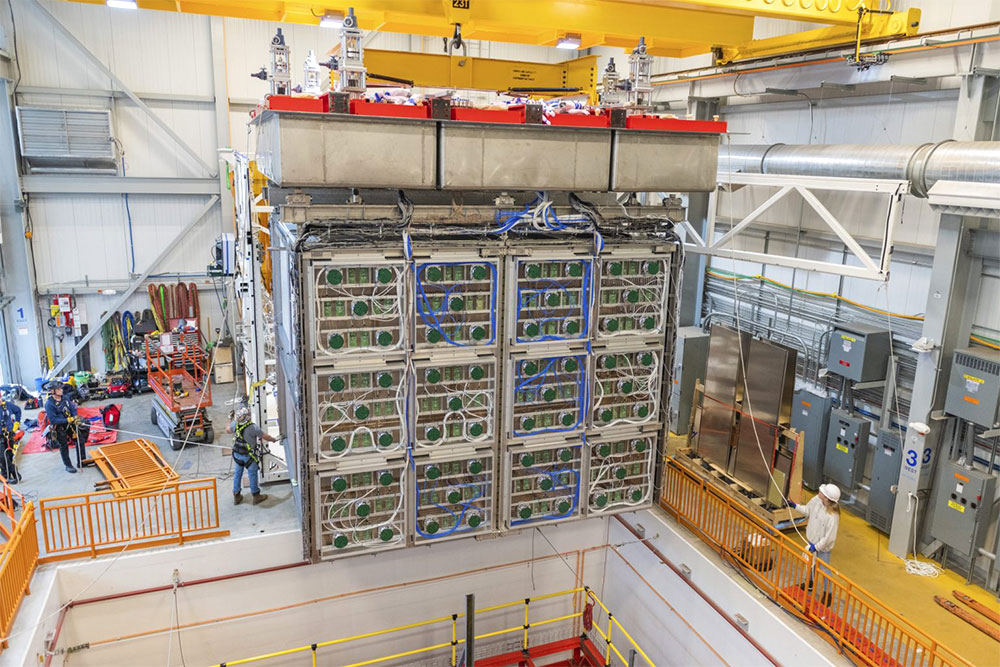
column 18, row 556
column 847, row 615
column 91, row 524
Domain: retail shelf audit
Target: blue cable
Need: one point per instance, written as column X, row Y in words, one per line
column 558, row 487
column 128, row 213
column 584, row 298
column 424, row 306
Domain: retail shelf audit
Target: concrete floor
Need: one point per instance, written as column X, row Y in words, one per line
column 44, row 476
column 862, row 555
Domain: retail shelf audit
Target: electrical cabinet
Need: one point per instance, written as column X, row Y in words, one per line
column 626, row 387
column 359, row 411
column 859, row 352
column 974, row 386
column 811, row 417
column 963, row 502
column 632, row 296
column 455, row 303
column 453, row 496
column 552, row 298
column 846, row 449
column 885, row 475
column 543, row 483
column 619, row 472
column 359, row 509
column 358, row 307
column 454, row 402
column 690, row 361
column 547, row 395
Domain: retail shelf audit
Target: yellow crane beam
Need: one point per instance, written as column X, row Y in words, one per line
column 433, row 70
column 675, row 28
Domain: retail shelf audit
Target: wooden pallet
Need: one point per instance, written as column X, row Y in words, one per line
column 130, row 466
column 780, row 518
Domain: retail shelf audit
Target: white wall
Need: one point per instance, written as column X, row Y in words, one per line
column 300, row 605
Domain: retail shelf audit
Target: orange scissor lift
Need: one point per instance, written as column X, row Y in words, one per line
column 177, row 369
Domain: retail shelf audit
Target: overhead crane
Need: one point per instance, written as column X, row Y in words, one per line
column 673, row 28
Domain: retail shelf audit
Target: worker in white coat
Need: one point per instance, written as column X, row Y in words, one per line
column 824, row 520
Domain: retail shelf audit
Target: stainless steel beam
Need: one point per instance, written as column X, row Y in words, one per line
column 97, row 326
column 71, row 38
column 88, row 184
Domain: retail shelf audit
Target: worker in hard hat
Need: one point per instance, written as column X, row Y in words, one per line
column 10, row 427
column 824, row 520
column 247, row 454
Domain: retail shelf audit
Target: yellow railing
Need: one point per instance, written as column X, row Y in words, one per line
column 452, row 645
column 92, row 524
column 852, row 618
column 18, row 556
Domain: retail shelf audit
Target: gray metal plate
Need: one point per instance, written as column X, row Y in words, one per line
column 338, row 151
column 664, row 161
column 524, row 157
column 723, row 388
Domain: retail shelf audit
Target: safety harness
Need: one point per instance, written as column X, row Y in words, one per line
column 240, row 445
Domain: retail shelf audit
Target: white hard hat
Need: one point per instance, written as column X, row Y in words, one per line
column 831, row 492
column 243, row 416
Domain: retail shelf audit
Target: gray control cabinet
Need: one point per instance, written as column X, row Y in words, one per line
column 811, row 417
column 960, row 516
column 846, row 449
column 885, row 475
column 690, row 361
column 974, row 386
column 859, row 352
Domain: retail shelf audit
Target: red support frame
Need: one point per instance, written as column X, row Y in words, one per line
column 582, row 652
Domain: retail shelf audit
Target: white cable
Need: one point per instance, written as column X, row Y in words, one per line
column 746, row 387
column 913, row 565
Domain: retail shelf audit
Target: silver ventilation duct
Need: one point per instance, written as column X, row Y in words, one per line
column 923, row 165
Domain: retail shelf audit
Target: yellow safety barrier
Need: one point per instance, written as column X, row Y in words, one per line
column 852, row 618
column 18, row 556
column 456, row 640
column 91, row 524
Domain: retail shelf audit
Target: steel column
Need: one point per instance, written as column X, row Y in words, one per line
column 97, row 326
column 946, row 326
column 693, row 271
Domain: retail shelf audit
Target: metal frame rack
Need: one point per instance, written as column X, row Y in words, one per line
column 466, row 362
column 474, row 432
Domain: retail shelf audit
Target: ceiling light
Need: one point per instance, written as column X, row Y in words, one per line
column 122, row 4
column 332, row 20
column 568, row 42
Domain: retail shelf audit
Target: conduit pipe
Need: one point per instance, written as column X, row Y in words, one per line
column 923, row 165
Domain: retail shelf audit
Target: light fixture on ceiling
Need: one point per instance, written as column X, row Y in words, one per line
column 122, row 4
column 569, row 41
column 332, row 20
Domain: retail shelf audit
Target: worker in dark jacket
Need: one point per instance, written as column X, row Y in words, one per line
column 10, row 423
column 61, row 413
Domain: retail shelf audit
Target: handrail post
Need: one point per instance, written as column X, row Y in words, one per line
column 314, row 654
column 607, row 640
column 524, row 642
column 177, row 505
column 90, row 529
column 454, row 640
